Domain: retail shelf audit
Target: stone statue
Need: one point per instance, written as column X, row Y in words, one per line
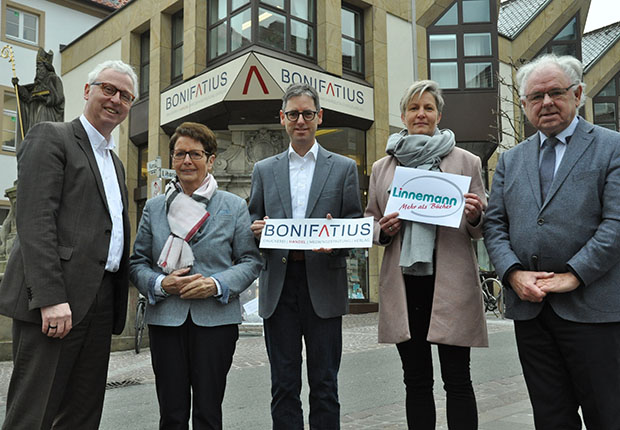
column 44, row 99
column 8, row 231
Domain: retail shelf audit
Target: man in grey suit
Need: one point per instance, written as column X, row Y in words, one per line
column 65, row 286
column 552, row 229
column 303, row 294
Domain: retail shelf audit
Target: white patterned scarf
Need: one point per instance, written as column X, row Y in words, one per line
column 186, row 214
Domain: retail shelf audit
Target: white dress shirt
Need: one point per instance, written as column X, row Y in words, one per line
column 560, row 148
column 301, row 171
column 102, row 148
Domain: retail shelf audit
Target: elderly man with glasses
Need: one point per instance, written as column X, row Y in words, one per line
column 552, row 229
column 65, row 286
column 303, row 294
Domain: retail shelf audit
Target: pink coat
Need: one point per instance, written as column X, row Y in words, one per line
column 457, row 316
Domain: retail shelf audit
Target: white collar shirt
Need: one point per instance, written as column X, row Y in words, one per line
column 301, row 171
column 102, row 148
column 560, row 148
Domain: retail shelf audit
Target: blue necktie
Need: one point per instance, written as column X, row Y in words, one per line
column 547, row 166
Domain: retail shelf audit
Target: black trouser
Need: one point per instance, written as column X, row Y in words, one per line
column 294, row 319
column 568, row 364
column 190, row 364
column 418, row 366
column 60, row 383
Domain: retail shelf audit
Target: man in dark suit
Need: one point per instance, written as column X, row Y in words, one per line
column 66, row 280
column 303, row 294
column 552, row 229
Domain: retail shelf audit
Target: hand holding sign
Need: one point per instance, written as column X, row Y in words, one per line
column 390, row 224
column 473, row 208
column 324, row 250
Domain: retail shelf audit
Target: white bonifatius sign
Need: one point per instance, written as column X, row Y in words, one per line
column 315, row 233
column 428, row 197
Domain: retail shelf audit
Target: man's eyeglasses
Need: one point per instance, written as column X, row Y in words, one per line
column 293, row 115
column 194, row 155
column 110, row 91
column 554, row 94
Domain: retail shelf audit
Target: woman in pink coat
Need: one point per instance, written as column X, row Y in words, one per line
column 428, row 286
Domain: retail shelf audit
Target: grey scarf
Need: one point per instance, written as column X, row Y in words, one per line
column 422, row 152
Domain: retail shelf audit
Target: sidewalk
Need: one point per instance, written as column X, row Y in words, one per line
column 502, row 397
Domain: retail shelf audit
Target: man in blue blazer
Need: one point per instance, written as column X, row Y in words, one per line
column 552, row 229
column 303, row 293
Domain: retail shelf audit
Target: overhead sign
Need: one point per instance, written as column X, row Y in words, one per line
column 314, row 233
column 428, row 197
column 335, row 93
column 260, row 77
column 199, row 93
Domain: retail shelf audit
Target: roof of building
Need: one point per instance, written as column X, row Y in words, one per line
column 596, row 43
column 515, row 15
column 112, row 5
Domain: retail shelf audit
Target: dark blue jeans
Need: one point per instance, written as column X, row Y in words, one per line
column 294, row 319
column 418, row 367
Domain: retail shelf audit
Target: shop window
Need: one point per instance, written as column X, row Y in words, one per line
column 22, row 26
column 276, row 24
column 176, row 73
column 145, row 59
column 605, row 105
column 9, row 121
column 352, row 40
column 462, row 46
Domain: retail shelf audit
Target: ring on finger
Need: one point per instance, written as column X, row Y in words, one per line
column 390, row 228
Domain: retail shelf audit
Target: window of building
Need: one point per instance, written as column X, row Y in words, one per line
column 462, row 46
column 176, row 74
column 9, row 121
column 567, row 41
column 283, row 25
column 145, row 59
column 605, row 105
column 22, row 26
column 352, row 40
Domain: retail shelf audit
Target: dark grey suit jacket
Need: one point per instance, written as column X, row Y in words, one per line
column 576, row 229
column 63, row 228
column 334, row 190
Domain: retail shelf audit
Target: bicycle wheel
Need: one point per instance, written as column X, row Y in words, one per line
column 140, row 324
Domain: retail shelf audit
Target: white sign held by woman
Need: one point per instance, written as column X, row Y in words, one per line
column 427, row 196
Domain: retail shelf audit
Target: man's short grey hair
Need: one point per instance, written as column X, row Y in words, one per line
column 296, row 90
column 419, row 87
column 572, row 68
column 120, row 67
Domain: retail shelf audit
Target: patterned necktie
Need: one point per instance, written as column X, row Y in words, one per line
column 547, row 166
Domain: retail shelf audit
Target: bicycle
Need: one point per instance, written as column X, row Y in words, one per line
column 140, row 321
column 492, row 293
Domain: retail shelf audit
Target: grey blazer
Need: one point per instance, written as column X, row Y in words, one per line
column 576, row 229
column 63, row 228
column 334, row 190
column 224, row 249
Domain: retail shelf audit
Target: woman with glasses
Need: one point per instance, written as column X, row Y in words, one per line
column 428, row 284
column 194, row 253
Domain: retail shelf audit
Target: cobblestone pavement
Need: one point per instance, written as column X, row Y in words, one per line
column 502, row 403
